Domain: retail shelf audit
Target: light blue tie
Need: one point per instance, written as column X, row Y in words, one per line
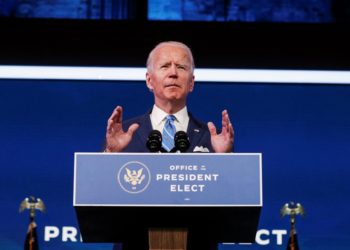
column 168, row 133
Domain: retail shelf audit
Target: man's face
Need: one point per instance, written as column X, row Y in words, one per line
column 170, row 77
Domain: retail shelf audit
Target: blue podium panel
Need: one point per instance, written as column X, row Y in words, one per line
column 119, row 196
column 142, row 179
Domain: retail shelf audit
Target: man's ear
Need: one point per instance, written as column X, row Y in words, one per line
column 148, row 82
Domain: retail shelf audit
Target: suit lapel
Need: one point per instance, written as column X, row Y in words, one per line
column 195, row 132
column 145, row 128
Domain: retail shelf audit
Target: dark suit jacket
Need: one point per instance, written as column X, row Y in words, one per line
column 197, row 132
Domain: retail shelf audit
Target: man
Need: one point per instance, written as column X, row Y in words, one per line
column 170, row 77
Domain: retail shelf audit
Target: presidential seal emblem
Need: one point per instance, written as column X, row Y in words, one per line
column 134, row 177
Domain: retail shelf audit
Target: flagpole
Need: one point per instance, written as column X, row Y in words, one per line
column 32, row 204
column 292, row 210
column 31, row 235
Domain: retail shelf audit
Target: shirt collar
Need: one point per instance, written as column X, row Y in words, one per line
column 158, row 115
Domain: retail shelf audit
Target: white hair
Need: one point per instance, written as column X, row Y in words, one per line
column 149, row 62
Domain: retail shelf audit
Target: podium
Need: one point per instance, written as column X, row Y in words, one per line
column 121, row 197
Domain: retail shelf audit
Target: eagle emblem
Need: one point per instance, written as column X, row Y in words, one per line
column 134, row 177
column 32, row 204
column 292, row 209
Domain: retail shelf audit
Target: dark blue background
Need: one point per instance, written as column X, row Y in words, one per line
column 301, row 130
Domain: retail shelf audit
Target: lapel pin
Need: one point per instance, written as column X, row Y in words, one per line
column 196, row 130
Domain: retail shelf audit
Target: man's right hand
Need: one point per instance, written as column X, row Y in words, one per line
column 116, row 138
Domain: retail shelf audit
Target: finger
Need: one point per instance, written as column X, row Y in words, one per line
column 109, row 126
column 231, row 130
column 117, row 115
column 120, row 114
column 229, row 123
column 227, row 117
column 225, row 122
column 133, row 127
column 212, row 129
column 115, row 118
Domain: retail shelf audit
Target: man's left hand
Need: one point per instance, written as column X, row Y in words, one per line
column 223, row 142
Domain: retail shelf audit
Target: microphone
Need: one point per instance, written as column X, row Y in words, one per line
column 154, row 141
column 182, row 142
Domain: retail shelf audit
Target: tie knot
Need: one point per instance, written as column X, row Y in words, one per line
column 170, row 118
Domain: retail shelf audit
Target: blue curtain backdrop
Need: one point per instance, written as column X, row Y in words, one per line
column 301, row 130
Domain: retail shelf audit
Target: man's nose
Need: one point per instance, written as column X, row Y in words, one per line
column 173, row 70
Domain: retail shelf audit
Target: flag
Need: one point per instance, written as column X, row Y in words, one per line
column 293, row 240
column 31, row 242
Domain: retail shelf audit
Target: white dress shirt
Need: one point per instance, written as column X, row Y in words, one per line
column 158, row 118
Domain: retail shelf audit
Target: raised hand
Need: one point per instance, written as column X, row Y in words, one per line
column 223, row 142
column 116, row 138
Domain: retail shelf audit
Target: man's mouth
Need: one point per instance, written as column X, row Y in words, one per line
column 172, row 85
